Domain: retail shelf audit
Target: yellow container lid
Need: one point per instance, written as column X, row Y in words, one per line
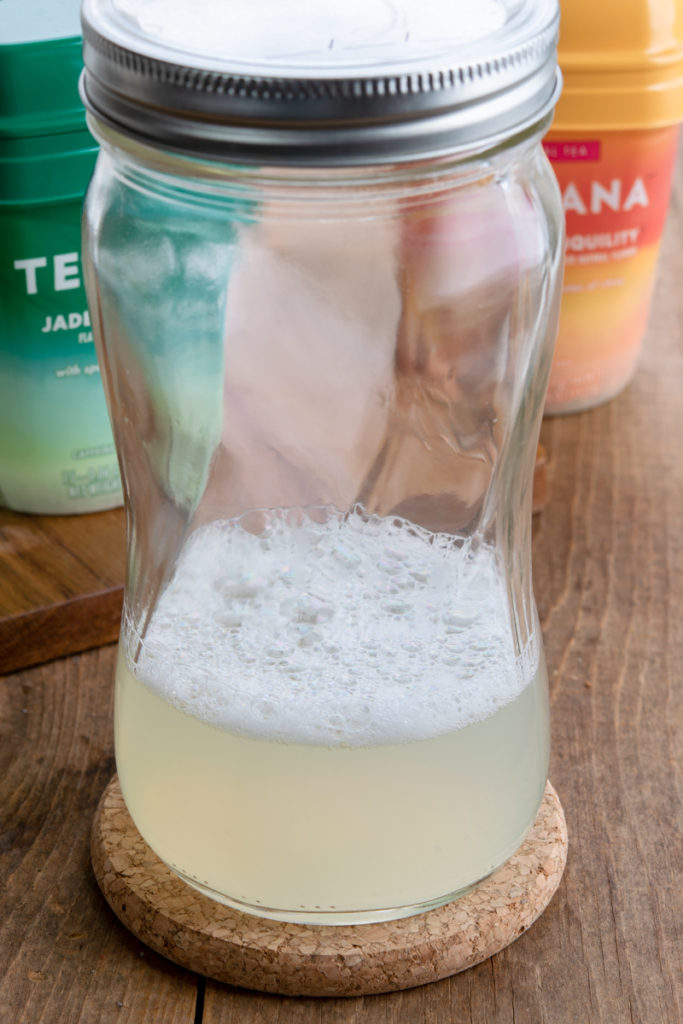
column 622, row 62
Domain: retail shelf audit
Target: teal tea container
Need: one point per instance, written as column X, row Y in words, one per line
column 56, row 449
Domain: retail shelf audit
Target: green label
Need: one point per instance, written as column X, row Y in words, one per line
column 56, row 448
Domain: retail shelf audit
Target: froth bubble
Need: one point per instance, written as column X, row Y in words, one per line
column 351, row 630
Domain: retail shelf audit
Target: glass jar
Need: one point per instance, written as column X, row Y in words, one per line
column 326, row 344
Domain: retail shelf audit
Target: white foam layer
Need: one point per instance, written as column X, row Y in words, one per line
column 357, row 630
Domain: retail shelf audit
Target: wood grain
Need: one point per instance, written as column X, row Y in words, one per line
column 64, row 959
column 61, row 584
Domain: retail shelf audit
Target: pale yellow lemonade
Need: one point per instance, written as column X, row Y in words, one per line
column 343, row 728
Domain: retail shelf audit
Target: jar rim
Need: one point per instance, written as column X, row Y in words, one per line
column 441, row 96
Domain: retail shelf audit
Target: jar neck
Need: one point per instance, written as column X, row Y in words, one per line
column 417, row 179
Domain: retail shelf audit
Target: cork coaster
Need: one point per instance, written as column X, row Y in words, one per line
column 322, row 960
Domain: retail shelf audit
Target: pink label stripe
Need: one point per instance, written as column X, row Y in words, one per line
column 556, row 150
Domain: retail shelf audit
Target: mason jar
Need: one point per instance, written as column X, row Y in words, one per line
column 323, row 248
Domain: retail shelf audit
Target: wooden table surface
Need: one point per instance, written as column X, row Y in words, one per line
column 608, row 563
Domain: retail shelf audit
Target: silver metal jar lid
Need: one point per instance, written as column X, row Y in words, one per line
column 320, row 82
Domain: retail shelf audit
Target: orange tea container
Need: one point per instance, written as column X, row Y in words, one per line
column 613, row 146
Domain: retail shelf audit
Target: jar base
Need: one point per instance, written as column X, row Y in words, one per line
column 328, row 918
column 567, row 401
column 232, row 946
column 571, row 408
column 333, row 917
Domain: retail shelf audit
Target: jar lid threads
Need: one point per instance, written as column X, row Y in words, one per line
column 403, row 85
